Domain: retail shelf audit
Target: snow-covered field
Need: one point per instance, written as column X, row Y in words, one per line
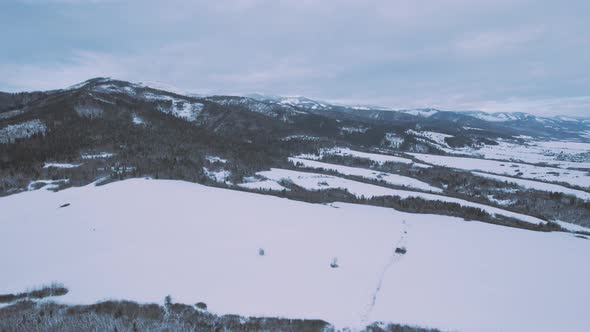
column 316, row 181
column 374, row 157
column 389, row 178
column 550, row 174
column 263, row 185
column 144, row 239
column 555, row 153
column 542, row 186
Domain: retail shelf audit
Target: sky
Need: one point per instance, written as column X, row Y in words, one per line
column 491, row 55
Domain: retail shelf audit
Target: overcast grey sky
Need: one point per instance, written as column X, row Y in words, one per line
column 492, row 55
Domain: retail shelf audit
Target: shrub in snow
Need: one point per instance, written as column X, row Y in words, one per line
column 261, row 252
column 334, row 263
column 400, row 250
column 55, row 289
column 168, row 301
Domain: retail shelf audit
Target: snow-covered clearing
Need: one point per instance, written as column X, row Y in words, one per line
column 542, row 186
column 550, row 174
column 10, row 114
column 315, row 181
column 425, row 113
column 389, row 178
column 555, row 153
column 300, row 138
column 263, row 185
column 217, row 175
column 137, row 120
column 97, row 155
column 46, row 184
column 215, row 159
column 61, row 165
column 180, row 108
column 144, row 239
column 375, row 157
column 435, row 137
column 394, row 140
column 21, row 130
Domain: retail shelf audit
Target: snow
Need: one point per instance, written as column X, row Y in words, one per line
column 300, row 101
column 562, row 154
column 352, row 130
column 144, row 239
column 550, row 174
column 375, row 157
column 300, row 138
column 572, row 227
column 503, row 202
column 494, row 117
column 138, row 120
column 180, row 108
column 394, row 140
column 389, row 178
column 435, row 137
column 22, row 130
column 536, row 185
column 61, row 165
column 425, row 113
column 263, row 185
column 165, row 87
column 215, row 159
column 48, row 184
column 471, row 128
column 315, row 181
column 88, row 111
column 217, row 175
column 97, row 155
column 10, row 114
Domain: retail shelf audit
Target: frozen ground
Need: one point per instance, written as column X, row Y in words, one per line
column 144, row 239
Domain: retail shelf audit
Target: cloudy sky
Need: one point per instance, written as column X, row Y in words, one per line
column 492, row 55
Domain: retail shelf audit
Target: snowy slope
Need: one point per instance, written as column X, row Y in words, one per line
column 144, row 239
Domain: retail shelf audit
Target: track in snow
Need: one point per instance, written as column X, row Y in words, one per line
column 393, row 258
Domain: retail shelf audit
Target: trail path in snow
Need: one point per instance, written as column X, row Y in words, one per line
column 393, row 258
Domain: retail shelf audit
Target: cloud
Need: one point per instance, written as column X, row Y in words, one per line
column 452, row 54
column 488, row 43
